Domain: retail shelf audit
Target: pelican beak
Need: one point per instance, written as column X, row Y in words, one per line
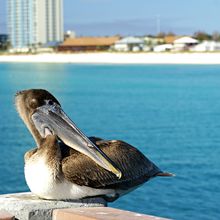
column 51, row 119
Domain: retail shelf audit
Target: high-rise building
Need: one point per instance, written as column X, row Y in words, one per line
column 35, row 22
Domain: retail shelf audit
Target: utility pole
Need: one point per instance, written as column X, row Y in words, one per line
column 158, row 24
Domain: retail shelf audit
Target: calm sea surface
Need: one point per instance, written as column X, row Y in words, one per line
column 170, row 112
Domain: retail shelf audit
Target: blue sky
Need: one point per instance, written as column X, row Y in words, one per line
column 129, row 17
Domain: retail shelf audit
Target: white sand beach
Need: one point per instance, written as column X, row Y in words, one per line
column 117, row 58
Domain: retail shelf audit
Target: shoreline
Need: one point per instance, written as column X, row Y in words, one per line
column 116, row 58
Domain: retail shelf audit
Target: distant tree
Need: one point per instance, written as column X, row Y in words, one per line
column 150, row 35
column 201, row 36
column 161, row 35
column 8, row 45
column 216, row 36
column 39, row 44
column 5, row 45
column 170, row 33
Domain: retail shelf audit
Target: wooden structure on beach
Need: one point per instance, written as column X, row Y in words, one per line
column 87, row 44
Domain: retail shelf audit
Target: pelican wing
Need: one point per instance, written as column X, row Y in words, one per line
column 136, row 168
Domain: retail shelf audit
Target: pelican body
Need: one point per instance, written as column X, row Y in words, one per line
column 66, row 164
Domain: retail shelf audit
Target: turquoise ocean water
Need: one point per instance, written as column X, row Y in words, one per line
column 170, row 112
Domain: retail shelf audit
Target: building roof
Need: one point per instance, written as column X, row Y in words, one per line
column 90, row 41
column 186, row 40
column 130, row 40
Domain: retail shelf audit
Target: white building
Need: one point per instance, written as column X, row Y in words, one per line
column 153, row 41
column 32, row 23
column 206, row 46
column 70, row 34
column 134, row 44
column 184, row 43
column 163, row 48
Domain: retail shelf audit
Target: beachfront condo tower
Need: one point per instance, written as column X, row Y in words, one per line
column 33, row 23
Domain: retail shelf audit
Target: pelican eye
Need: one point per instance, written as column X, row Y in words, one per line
column 50, row 102
column 33, row 103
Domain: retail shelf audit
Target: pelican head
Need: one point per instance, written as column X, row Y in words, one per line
column 43, row 115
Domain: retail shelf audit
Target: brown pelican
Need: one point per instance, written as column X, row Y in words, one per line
column 68, row 165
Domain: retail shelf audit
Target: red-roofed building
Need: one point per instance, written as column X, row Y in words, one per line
column 87, row 44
